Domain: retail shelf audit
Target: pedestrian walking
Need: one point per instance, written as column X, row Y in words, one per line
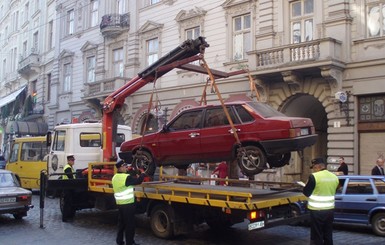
column 379, row 168
column 343, row 168
column 221, row 169
column 321, row 188
column 123, row 186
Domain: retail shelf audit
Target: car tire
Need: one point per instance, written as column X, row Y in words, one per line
column 144, row 160
column 279, row 160
column 251, row 160
column 161, row 221
column 378, row 224
column 19, row 216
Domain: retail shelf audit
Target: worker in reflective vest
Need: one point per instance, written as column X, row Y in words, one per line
column 123, row 186
column 68, row 196
column 321, row 188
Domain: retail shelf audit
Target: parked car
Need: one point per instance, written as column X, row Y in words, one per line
column 203, row 134
column 361, row 200
column 2, row 162
column 13, row 199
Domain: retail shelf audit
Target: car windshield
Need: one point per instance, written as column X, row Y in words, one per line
column 265, row 110
column 7, row 180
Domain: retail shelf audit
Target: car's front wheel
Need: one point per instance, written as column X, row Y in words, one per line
column 144, row 160
column 378, row 224
column 251, row 160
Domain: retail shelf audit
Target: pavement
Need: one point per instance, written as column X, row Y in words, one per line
column 93, row 227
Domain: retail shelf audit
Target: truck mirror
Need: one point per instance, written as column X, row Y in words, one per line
column 49, row 138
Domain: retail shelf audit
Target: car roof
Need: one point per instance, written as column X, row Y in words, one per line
column 4, row 171
column 361, row 176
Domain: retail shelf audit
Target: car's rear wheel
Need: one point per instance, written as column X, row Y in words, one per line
column 378, row 224
column 144, row 160
column 279, row 160
column 251, row 160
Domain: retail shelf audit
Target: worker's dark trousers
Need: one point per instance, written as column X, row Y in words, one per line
column 321, row 224
column 126, row 223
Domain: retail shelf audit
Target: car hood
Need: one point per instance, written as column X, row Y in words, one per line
column 11, row 191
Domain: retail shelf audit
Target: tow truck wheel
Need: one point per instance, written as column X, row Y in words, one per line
column 251, row 160
column 378, row 224
column 279, row 160
column 161, row 221
column 144, row 160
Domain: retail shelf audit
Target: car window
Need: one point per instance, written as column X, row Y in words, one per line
column 243, row 114
column 265, row 110
column 217, row 117
column 7, row 180
column 187, row 120
column 380, row 185
column 2, row 158
column 359, row 187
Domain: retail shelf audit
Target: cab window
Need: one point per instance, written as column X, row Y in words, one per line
column 58, row 141
column 120, row 138
column 90, row 140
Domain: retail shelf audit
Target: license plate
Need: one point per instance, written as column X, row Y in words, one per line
column 256, row 225
column 7, row 199
column 304, row 131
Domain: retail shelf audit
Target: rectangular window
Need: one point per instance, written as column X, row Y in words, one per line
column 90, row 140
column 67, row 78
column 91, row 69
column 70, row 22
column 35, row 42
column 241, row 36
column 301, row 18
column 118, row 62
column 193, row 33
column 49, row 86
column 376, row 20
column 154, row 2
column 152, row 47
column 50, row 35
column 59, row 141
column 25, row 49
column 26, row 12
column 94, row 12
column 121, row 7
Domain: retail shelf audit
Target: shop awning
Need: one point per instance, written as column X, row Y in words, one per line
column 26, row 128
column 11, row 97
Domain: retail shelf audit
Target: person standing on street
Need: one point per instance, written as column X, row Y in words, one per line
column 221, row 169
column 379, row 168
column 321, row 188
column 68, row 195
column 343, row 168
column 123, row 186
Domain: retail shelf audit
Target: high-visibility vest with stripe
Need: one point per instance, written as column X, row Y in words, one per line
column 123, row 194
column 322, row 198
column 72, row 170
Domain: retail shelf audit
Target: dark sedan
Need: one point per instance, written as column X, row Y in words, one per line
column 361, row 200
column 13, row 199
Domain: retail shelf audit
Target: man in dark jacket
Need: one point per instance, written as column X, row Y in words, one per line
column 343, row 168
column 379, row 168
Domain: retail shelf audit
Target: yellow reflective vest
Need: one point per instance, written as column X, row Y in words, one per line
column 322, row 198
column 72, row 170
column 123, row 194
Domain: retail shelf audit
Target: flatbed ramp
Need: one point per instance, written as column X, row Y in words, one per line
column 218, row 196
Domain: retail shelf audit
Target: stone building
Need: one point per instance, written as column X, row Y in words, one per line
column 318, row 59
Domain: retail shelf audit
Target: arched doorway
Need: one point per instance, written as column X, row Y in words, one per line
column 304, row 105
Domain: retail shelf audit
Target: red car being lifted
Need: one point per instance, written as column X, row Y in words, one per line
column 203, row 134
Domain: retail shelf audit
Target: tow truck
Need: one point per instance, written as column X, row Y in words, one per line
column 175, row 203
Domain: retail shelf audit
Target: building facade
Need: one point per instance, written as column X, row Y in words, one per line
column 319, row 59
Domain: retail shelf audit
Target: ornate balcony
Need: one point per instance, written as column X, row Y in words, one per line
column 101, row 89
column 29, row 65
column 315, row 53
column 113, row 25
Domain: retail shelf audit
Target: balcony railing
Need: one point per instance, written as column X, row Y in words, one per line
column 103, row 88
column 317, row 50
column 29, row 64
column 114, row 24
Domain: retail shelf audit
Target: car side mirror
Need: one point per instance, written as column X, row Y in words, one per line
column 164, row 128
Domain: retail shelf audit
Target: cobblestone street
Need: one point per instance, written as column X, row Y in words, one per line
column 99, row 228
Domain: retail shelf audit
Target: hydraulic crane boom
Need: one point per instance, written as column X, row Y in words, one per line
column 187, row 52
